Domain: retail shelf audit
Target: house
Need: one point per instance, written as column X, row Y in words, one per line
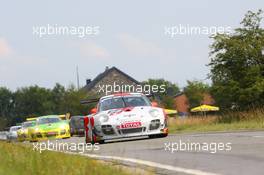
column 110, row 81
column 182, row 104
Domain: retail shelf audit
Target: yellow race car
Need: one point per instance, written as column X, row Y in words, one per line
column 48, row 127
column 22, row 134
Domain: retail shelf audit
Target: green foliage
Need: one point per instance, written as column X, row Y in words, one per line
column 71, row 101
column 195, row 91
column 6, row 102
column 165, row 97
column 237, row 65
column 58, row 94
column 37, row 101
column 170, row 88
column 32, row 101
column 168, row 102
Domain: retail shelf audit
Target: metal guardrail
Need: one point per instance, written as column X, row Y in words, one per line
column 3, row 135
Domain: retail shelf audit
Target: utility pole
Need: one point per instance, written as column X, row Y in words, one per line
column 77, row 74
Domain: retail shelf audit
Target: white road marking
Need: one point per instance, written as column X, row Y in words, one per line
column 148, row 163
column 258, row 136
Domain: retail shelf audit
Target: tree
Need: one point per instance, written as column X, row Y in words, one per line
column 237, row 65
column 32, row 101
column 72, row 101
column 166, row 96
column 195, row 91
column 35, row 101
column 6, row 106
column 58, row 95
column 6, row 101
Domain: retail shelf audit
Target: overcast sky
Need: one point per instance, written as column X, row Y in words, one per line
column 131, row 37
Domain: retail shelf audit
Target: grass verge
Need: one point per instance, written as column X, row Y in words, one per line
column 19, row 159
column 243, row 125
column 252, row 120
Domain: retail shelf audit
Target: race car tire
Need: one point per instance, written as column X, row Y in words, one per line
column 101, row 141
column 163, row 135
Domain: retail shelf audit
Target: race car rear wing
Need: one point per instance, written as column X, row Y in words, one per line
column 88, row 101
column 62, row 116
column 66, row 116
column 95, row 100
column 31, row 119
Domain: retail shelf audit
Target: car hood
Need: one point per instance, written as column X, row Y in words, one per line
column 129, row 113
column 51, row 126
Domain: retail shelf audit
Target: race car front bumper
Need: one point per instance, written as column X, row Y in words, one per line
column 57, row 134
column 109, row 132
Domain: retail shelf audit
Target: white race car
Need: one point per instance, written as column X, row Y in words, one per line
column 125, row 115
column 12, row 134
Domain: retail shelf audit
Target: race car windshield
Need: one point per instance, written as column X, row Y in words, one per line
column 122, row 102
column 26, row 125
column 48, row 120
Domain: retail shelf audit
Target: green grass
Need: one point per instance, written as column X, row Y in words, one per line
column 242, row 125
column 20, row 159
column 250, row 120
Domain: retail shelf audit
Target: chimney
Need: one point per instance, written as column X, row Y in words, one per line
column 88, row 81
column 106, row 68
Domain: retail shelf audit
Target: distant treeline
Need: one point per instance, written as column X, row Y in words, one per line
column 37, row 101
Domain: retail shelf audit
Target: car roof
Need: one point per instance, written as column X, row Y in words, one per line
column 15, row 127
column 122, row 95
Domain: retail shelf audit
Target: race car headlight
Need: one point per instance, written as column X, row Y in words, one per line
column 103, row 118
column 154, row 112
column 62, row 127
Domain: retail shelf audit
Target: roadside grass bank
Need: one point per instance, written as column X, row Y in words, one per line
column 20, row 159
column 251, row 120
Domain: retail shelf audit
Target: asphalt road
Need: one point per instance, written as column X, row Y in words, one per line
column 239, row 153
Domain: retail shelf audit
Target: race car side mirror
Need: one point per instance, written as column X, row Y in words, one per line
column 154, row 104
column 93, row 111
